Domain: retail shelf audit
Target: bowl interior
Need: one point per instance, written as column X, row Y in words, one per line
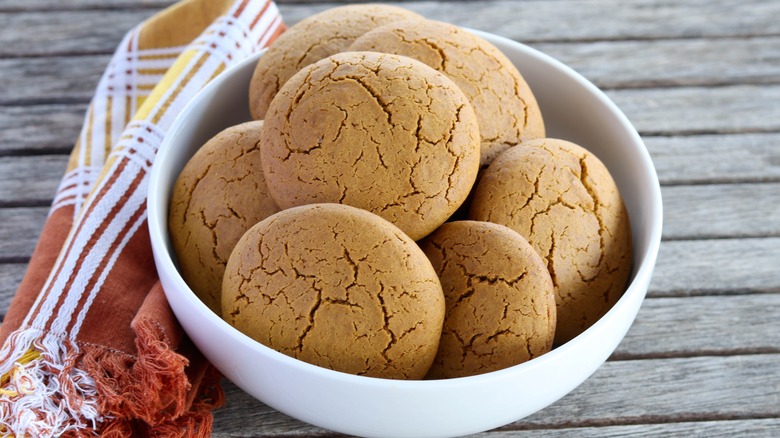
column 573, row 109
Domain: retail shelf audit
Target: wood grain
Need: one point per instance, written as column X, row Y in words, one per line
column 30, row 180
column 701, row 110
column 702, row 326
column 744, row 210
column 63, row 31
column 727, row 158
column 19, row 230
column 719, row 266
column 653, row 64
column 675, row 390
column 39, row 129
column 666, row 63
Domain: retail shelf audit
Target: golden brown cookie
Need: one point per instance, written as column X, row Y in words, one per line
column 310, row 40
column 499, row 299
column 506, row 108
column 218, row 195
column 563, row 200
column 339, row 287
column 381, row 132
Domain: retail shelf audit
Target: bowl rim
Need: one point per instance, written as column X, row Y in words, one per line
column 158, row 199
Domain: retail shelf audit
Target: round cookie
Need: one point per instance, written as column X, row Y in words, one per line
column 311, row 39
column 339, row 287
column 506, row 108
column 499, row 299
column 380, row 132
column 219, row 194
column 563, row 200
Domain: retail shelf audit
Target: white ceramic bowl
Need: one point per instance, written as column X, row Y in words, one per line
column 573, row 109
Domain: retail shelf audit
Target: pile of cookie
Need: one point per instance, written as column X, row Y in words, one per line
column 395, row 209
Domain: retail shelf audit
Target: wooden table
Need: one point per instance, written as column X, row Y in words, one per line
column 700, row 79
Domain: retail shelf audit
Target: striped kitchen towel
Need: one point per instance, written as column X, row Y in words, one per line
column 89, row 344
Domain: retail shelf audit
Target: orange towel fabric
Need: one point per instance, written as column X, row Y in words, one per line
column 89, row 344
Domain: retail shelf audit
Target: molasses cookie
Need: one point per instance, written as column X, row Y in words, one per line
column 499, row 299
column 506, row 108
column 563, row 200
column 310, row 40
column 338, row 287
column 218, row 195
column 376, row 131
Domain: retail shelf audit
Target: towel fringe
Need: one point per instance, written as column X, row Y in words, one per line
column 54, row 388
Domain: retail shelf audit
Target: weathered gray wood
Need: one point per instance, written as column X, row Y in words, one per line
column 701, row 110
column 10, row 277
column 719, row 266
column 743, row 210
column 30, row 80
column 758, row 428
column 39, row 128
column 707, row 325
column 46, row 5
column 620, row 392
column 30, row 180
column 19, row 231
column 59, row 78
column 64, row 31
column 662, row 63
column 721, row 210
column 665, row 111
column 716, row 158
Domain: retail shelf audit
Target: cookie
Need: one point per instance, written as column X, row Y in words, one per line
column 337, row 287
column 310, row 40
column 219, row 194
column 506, row 108
column 500, row 304
column 380, row 132
column 563, row 200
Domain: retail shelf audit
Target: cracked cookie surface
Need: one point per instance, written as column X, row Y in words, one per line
column 220, row 193
column 338, row 287
column 311, row 39
column 506, row 108
column 563, row 200
column 500, row 304
column 376, row 131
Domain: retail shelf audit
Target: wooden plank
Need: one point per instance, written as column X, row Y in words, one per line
column 758, row 428
column 46, row 5
column 707, row 325
column 31, row 180
column 19, row 231
column 63, row 30
column 39, row 128
column 701, row 110
column 716, row 158
column 66, row 32
column 743, row 210
column 661, row 111
column 702, row 319
column 663, row 63
column 58, row 78
column 620, row 392
column 10, row 277
column 721, row 210
column 719, row 266
column 698, row 267
column 73, row 78
column 700, row 388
